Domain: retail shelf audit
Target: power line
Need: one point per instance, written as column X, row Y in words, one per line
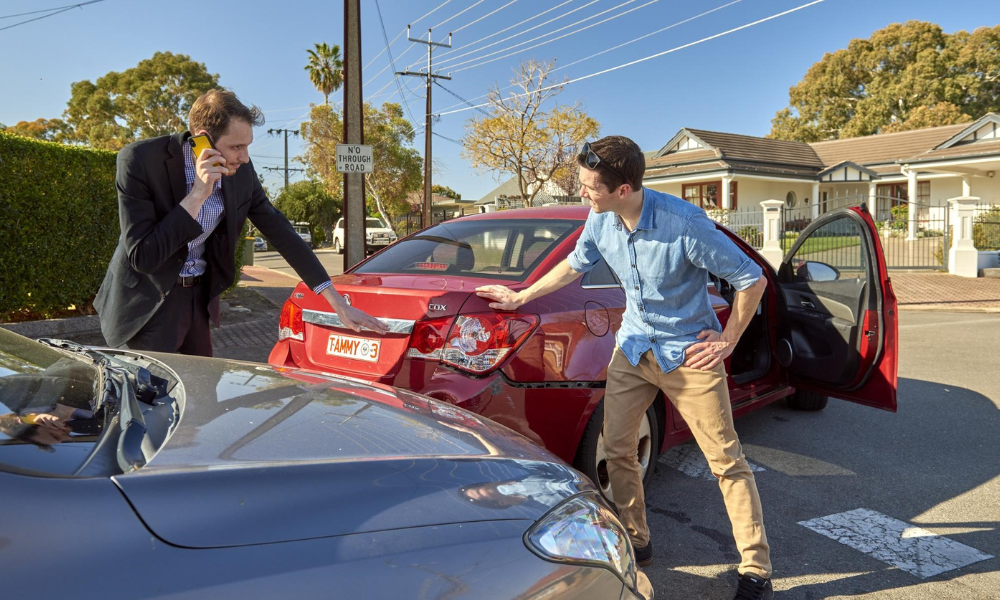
column 510, row 37
column 59, row 10
column 433, row 10
column 571, row 25
column 395, row 76
column 458, row 14
column 35, row 12
column 652, row 56
column 429, row 76
column 462, row 99
column 447, row 138
column 489, row 14
column 642, row 37
column 483, row 39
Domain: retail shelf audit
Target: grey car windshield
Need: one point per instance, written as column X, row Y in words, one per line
column 479, row 248
column 46, row 396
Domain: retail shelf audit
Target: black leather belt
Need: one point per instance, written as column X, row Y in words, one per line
column 190, row 281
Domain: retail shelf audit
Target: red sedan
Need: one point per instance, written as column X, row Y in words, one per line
column 826, row 326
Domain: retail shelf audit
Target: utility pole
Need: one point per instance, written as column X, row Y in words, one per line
column 354, row 183
column 429, row 76
column 286, row 132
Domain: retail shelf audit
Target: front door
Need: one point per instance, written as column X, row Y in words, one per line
column 839, row 326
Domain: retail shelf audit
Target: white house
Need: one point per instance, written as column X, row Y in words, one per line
column 922, row 168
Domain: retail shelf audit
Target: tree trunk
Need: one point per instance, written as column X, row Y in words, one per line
column 379, row 206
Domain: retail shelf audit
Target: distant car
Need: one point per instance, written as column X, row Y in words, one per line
column 377, row 236
column 259, row 245
column 305, row 232
column 826, row 326
column 193, row 478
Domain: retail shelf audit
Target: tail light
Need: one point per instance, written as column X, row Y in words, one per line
column 290, row 325
column 476, row 343
column 427, row 339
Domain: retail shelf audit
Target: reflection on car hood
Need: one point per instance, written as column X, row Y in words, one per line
column 265, row 455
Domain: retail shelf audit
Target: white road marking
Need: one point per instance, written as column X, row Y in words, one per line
column 911, row 549
column 689, row 460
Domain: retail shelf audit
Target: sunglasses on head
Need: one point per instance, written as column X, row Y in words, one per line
column 592, row 160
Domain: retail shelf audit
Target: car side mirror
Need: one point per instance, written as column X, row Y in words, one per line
column 816, row 271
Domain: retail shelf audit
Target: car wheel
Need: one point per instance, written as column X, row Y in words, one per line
column 337, row 247
column 803, row 400
column 592, row 460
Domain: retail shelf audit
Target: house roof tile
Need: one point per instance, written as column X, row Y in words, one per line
column 886, row 147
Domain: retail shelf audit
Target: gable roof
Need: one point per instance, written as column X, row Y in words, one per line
column 886, row 147
column 733, row 146
column 989, row 118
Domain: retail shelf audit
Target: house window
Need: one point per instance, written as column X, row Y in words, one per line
column 897, row 192
column 923, row 193
column 790, row 200
column 707, row 194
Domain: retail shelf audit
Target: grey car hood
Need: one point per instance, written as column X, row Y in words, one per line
column 262, row 456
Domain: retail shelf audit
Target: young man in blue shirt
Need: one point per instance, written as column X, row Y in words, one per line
column 662, row 249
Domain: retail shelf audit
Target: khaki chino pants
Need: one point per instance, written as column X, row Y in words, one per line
column 702, row 399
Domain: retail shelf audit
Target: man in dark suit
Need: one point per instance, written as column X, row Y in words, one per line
column 181, row 216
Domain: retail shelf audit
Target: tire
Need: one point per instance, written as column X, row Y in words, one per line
column 591, row 459
column 804, row 400
column 337, row 247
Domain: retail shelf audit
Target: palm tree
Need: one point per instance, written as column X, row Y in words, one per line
column 326, row 70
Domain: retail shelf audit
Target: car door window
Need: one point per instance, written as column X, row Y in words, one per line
column 825, row 287
column 832, row 252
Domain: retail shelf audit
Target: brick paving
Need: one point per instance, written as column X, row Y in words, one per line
column 259, row 334
column 934, row 290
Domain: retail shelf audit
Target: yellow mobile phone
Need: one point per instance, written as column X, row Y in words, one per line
column 200, row 143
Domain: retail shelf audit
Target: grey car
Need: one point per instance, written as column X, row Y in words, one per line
column 145, row 475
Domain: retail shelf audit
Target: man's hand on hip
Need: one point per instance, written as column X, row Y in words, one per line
column 712, row 350
column 505, row 298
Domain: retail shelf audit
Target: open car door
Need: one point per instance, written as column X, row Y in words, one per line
column 838, row 327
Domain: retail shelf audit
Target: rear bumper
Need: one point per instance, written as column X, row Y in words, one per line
column 551, row 416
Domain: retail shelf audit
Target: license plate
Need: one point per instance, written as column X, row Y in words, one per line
column 352, row 347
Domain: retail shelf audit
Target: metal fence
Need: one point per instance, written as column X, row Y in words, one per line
column 924, row 245
column 747, row 225
column 986, row 227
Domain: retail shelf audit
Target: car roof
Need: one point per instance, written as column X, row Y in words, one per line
column 543, row 212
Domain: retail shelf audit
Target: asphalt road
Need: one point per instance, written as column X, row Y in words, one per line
column 920, row 488
column 934, row 465
column 332, row 262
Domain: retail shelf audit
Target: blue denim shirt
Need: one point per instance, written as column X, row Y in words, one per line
column 663, row 265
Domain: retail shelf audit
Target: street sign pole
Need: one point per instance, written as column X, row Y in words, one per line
column 354, row 182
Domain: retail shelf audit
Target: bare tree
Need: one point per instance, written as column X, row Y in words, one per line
column 520, row 137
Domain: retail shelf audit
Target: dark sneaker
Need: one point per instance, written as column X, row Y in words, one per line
column 644, row 555
column 752, row 587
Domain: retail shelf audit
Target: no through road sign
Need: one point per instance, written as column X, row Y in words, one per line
column 354, row 158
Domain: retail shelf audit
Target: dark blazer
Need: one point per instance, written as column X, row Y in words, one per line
column 155, row 231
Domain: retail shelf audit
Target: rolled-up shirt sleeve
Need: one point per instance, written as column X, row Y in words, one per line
column 585, row 255
column 707, row 247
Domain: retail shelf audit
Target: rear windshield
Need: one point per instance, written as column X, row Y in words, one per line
column 485, row 248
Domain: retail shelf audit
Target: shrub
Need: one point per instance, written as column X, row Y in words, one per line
column 58, row 223
column 986, row 229
column 751, row 235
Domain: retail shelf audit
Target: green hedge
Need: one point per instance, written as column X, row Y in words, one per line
column 58, row 225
